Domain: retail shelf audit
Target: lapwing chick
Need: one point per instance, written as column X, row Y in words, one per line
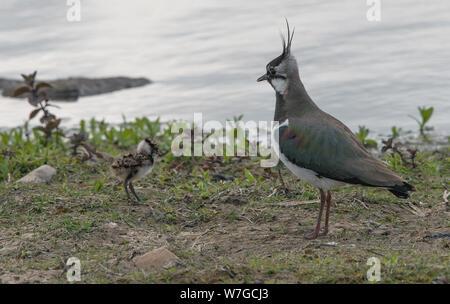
column 315, row 146
column 133, row 166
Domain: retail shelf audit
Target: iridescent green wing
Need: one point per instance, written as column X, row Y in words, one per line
column 327, row 148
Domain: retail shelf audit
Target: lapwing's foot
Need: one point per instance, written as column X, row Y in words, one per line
column 311, row 236
column 134, row 202
column 283, row 187
column 316, row 234
column 323, row 233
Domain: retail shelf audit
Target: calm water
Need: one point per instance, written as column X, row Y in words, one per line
column 204, row 56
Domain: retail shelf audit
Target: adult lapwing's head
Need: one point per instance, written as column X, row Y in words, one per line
column 283, row 69
column 149, row 147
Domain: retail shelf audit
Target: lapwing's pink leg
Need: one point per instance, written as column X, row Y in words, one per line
column 315, row 233
column 327, row 214
column 282, row 180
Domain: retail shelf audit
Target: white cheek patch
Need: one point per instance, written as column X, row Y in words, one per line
column 279, row 85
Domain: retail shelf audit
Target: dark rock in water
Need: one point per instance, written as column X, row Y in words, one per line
column 71, row 88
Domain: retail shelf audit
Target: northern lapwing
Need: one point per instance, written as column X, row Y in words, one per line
column 315, row 146
column 133, row 166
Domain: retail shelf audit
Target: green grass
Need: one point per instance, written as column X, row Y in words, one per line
column 232, row 232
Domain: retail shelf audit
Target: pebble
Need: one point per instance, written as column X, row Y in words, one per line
column 157, row 260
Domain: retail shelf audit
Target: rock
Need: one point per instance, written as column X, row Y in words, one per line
column 332, row 244
column 156, row 260
column 112, row 229
column 70, row 89
column 111, row 225
column 43, row 174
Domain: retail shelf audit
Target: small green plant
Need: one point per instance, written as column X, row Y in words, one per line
column 391, row 262
column 77, row 140
column 398, row 158
column 362, row 136
column 425, row 115
column 395, row 132
column 98, row 184
column 249, row 176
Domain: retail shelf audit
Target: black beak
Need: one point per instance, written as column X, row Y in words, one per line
column 263, row 77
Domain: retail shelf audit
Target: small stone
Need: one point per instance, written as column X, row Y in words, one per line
column 157, row 259
column 43, row 174
column 111, row 225
column 333, row 244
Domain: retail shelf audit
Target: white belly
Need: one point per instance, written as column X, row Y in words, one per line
column 308, row 176
column 143, row 171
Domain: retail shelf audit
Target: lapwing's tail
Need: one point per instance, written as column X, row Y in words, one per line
column 402, row 190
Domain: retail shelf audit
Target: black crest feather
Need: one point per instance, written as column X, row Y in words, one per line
column 290, row 36
column 286, row 47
